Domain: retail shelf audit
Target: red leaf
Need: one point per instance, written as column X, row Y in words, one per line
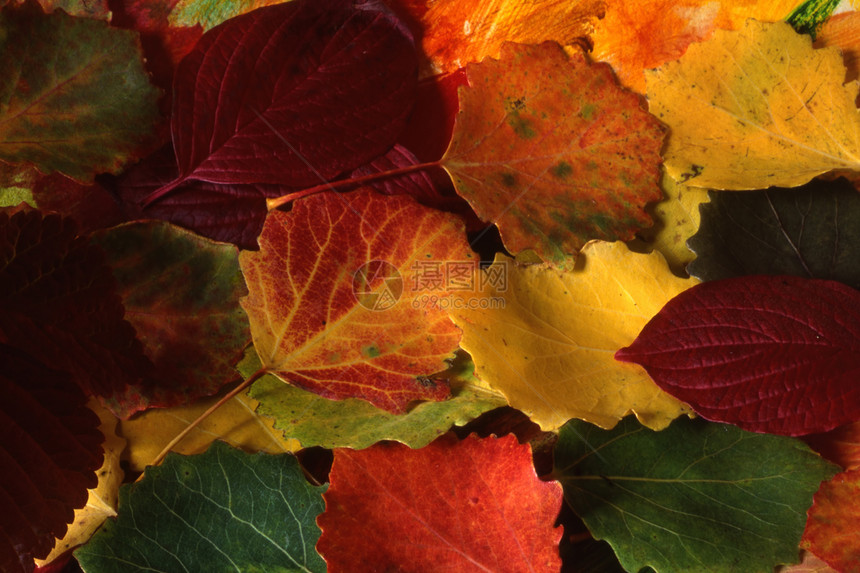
column 339, row 299
column 58, row 302
column 50, row 447
column 227, row 213
column 769, row 354
column 292, row 94
column 91, row 206
column 474, row 505
column 834, row 521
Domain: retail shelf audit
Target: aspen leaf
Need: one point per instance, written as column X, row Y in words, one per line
column 558, row 161
column 453, row 506
column 316, row 421
column 332, row 299
column 676, row 220
column 458, row 32
column 843, row 32
column 75, row 97
column 234, row 423
column 834, row 520
column 756, row 108
column 549, row 348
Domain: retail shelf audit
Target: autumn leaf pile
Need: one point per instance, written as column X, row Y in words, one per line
column 469, row 286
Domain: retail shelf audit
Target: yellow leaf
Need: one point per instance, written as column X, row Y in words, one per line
column 546, row 339
column 637, row 35
column 235, row 422
column 676, row 220
column 756, row 108
column 102, row 500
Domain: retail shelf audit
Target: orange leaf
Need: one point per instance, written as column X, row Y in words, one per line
column 636, row 36
column 841, row 446
column 843, row 31
column 833, row 523
column 333, row 301
column 458, row 32
column 553, row 151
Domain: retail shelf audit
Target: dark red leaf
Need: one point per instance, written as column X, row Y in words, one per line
column 58, row 302
column 770, row 354
column 226, row 213
column 50, row 447
column 292, row 94
column 91, row 206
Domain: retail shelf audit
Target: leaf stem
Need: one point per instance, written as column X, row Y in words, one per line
column 227, row 397
column 161, row 192
column 276, row 202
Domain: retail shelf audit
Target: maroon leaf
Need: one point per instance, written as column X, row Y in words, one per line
column 770, row 354
column 292, row 94
column 58, row 302
column 228, row 213
column 50, row 447
column 91, row 206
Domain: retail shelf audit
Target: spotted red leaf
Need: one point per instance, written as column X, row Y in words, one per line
column 50, row 447
column 292, row 94
column 769, row 354
column 453, row 506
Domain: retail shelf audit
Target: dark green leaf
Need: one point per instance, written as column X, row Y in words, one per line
column 809, row 232
column 223, row 510
column 74, row 96
column 696, row 496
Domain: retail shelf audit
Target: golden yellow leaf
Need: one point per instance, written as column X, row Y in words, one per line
column 756, row 108
column 460, row 32
column 102, row 500
column 235, row 423
column 546, row 339
column 637, row 35
column 676, row 220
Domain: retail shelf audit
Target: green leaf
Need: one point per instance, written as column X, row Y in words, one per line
column 222, row 510
column 810, row 15
column 16, row 186
column 181, row 293
column 210, row 13
column 696, row 496
column 352, row 423
column 74, row 96
column 810, row 232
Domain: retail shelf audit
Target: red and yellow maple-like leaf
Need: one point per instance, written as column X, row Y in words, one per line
column 454, row 506
column 340, row 296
